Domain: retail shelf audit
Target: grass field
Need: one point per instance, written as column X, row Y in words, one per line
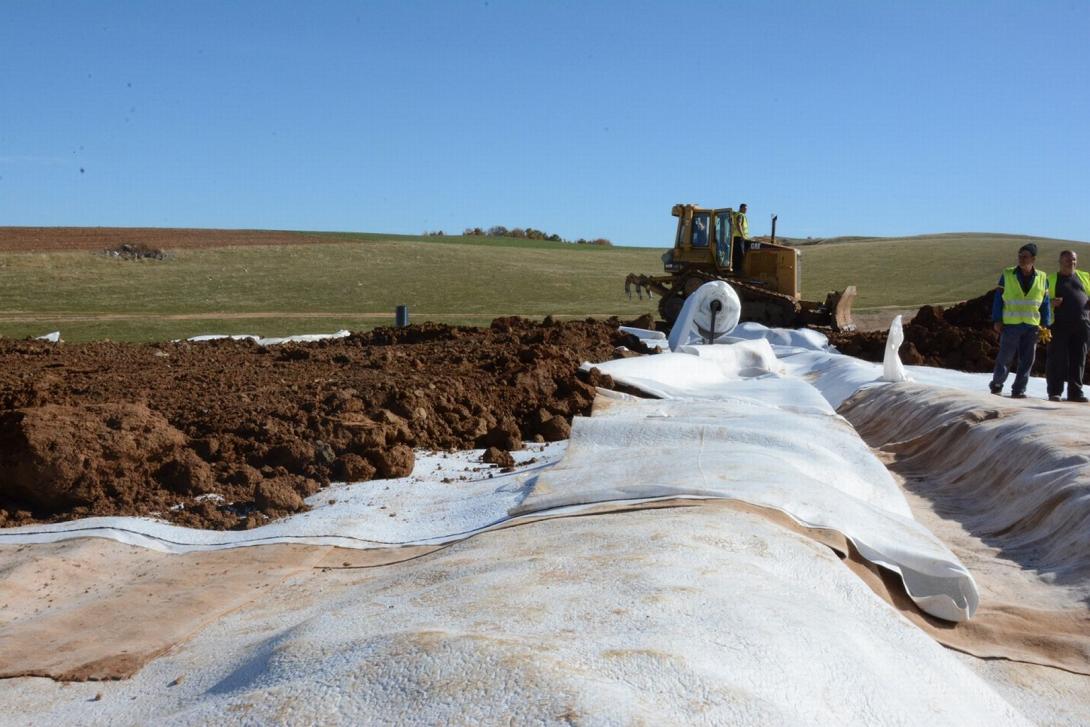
column 339, row 280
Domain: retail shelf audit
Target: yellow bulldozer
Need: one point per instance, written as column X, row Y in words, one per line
column 767, row 280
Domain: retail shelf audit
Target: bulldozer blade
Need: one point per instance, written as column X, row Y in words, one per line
column 842, row 309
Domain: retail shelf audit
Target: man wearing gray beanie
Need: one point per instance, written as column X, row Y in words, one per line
column 1020, row 307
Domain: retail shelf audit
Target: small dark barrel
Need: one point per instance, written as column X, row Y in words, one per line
column 401, row 316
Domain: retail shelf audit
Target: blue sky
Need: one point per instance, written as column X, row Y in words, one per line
column 586, row 119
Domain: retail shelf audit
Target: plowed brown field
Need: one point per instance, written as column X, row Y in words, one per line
column 60, row 239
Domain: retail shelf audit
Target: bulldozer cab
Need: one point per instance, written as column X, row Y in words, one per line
column 705, row 241
column 704, row 236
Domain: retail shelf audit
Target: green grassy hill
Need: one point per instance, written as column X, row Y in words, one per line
column 352, row 282
column 904, row 272
column 340, row 280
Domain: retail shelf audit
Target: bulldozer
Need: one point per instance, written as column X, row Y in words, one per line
column 767, row 280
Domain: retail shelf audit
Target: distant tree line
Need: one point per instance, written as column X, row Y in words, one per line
column 521, row 233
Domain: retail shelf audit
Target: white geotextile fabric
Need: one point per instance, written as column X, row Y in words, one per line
column 789, row 337
column 695, row 367
column 273, row 341
column 663, row 617
column 806, row 354
column 416, row 510
column 699, row 322
column 811, row 466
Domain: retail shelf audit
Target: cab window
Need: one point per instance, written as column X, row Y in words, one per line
column 722, row 239
column 722, row 229
column 701, row 223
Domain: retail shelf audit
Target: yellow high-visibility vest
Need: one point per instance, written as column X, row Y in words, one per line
column 1083, row 276
column 1019, row 307
column 741, row 225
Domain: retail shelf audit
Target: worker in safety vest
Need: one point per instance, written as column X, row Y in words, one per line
column 1066, row 362
column 740, row 236
column 1019, row 308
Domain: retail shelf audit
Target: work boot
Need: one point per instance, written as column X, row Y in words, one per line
column 1077, row 398
column 1054, row 397
column 997, row 390
column 1018, row 395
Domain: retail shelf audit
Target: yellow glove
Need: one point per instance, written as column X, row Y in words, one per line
column 1046, row 335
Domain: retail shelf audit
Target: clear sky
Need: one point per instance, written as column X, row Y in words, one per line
column 589, row 119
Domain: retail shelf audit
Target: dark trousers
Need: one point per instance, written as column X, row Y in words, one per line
column 738, row 254
column 1066, row 362
column 1021, row 340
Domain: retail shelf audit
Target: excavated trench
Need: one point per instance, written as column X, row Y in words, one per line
column 228, row 434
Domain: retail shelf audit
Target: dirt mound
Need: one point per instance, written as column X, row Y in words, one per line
column 227, row 434
column 960, row 337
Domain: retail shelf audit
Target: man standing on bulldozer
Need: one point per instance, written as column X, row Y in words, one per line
column 740, row 236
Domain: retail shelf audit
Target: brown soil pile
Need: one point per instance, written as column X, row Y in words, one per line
column 227, row 434
column 960, row 337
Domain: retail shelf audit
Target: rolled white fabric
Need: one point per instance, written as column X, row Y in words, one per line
column 694, row 325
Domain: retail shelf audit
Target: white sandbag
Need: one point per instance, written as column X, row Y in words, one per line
column 893, row 370
column 713, row 303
